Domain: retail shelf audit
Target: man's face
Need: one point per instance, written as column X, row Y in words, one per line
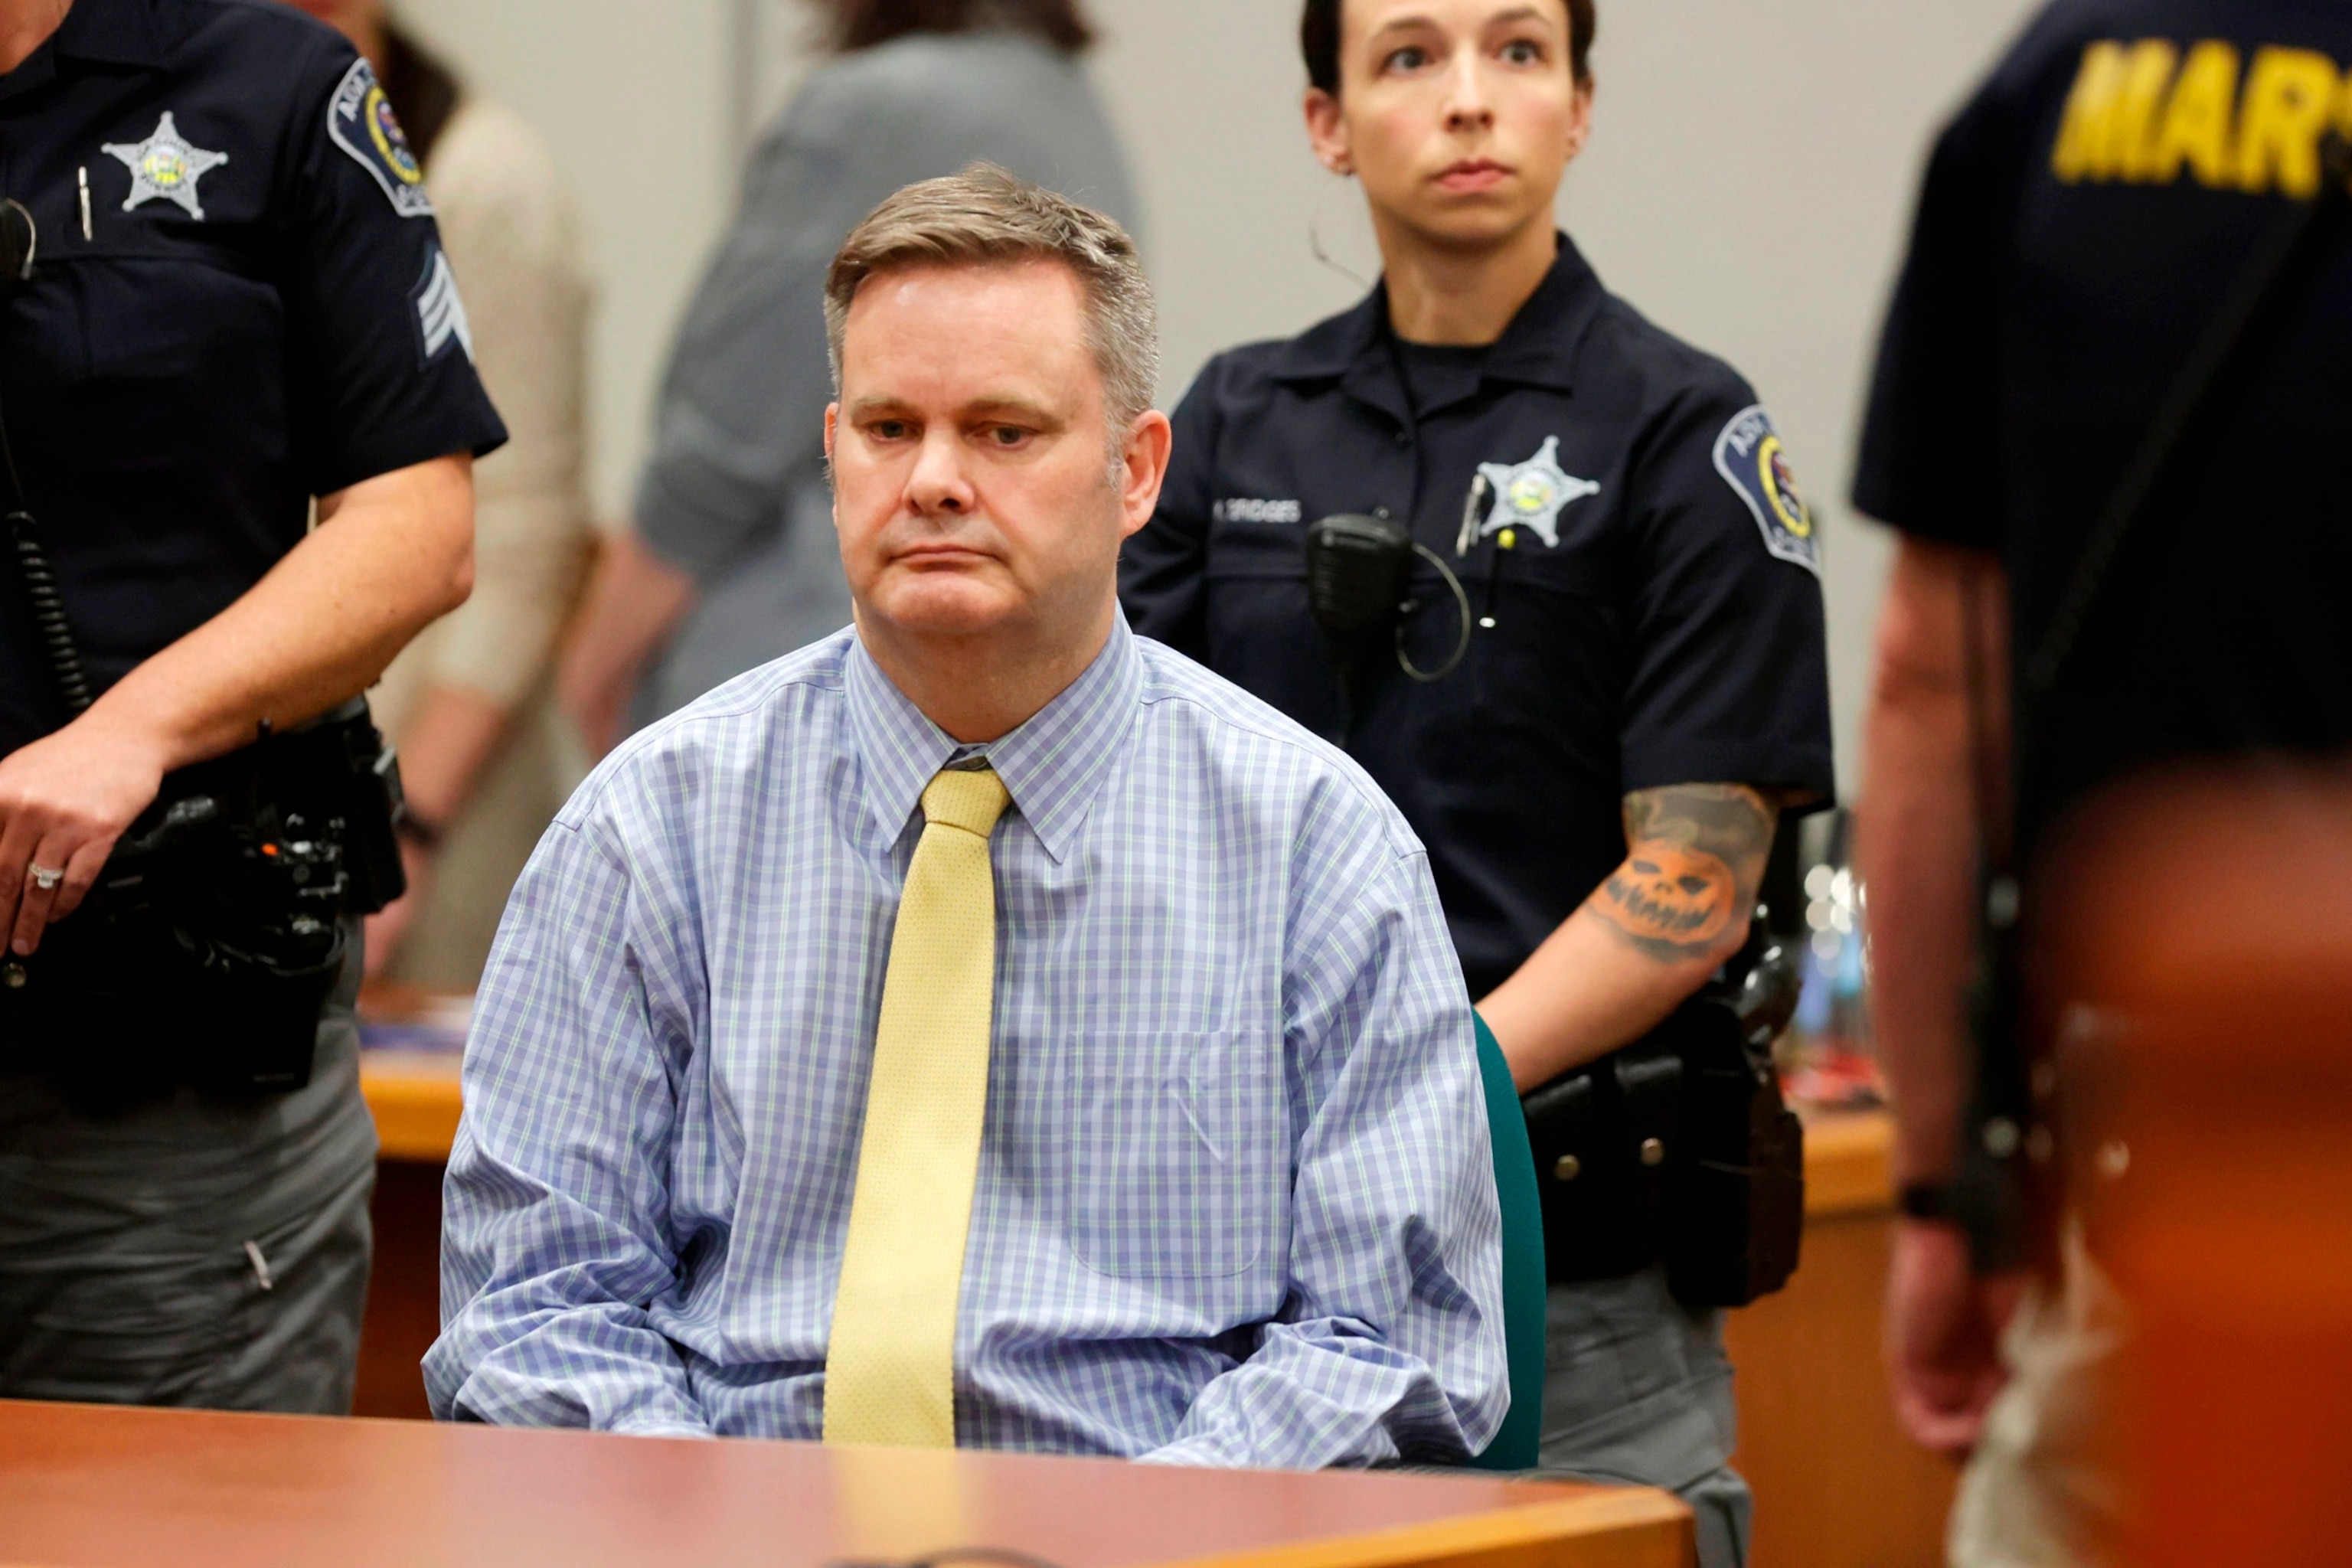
column 972, row 461
column 1459, row 116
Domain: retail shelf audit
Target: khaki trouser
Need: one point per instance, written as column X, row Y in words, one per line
column 2042, row 1492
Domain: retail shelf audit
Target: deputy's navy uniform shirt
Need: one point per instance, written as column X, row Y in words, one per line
column 2082, row 219
column 1657, row 618
column 249, row 308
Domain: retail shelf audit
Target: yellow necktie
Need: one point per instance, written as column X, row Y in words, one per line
column 889, row 1368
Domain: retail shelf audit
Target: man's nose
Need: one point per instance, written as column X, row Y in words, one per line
column 938, row 484
column 1468, row 105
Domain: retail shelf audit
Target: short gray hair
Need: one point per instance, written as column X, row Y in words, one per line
column 985, row 217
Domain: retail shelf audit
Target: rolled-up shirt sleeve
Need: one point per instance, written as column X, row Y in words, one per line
column 556, row 1234
column 1390, row 1345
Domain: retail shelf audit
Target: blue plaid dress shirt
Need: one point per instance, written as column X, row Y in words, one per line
column 1236, row 1203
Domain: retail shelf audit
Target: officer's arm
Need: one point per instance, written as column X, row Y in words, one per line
column 1916, row 834
column 1651, row 934
column 389, row 555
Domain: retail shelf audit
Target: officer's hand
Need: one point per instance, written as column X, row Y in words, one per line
column 64, row 800
column 1943, row 1336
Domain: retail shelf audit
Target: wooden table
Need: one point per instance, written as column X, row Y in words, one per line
column 1837, row 1486
column 89, row 1487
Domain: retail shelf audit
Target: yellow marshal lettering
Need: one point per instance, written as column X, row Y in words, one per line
column 2107, row 114
column 2290, row 94
column 2197, row 122
column 2148, row 113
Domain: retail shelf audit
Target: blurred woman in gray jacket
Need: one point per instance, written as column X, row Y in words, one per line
column 732, row 561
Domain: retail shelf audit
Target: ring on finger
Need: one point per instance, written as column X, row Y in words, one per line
column 45, row 879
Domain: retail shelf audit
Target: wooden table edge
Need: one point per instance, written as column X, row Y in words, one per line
column 1523, row 1537
column 415, row 1112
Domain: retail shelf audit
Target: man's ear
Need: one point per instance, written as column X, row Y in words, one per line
column 832, row 422
column 1143, row 469
column 1327, row 132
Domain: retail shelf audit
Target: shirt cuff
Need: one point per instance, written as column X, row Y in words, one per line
column 1199, row 1450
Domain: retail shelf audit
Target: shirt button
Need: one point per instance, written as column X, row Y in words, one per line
column 1404, row 438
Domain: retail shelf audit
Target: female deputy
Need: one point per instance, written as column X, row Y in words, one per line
column 1599, row 775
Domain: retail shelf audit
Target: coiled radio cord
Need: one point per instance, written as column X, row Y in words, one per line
column 18, row 242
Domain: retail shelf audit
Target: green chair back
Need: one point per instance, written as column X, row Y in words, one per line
column 1514, row 1447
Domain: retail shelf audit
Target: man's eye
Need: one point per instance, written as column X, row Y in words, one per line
column 1412, row 58
column 1007, row 435
column 1523, row 52
column 889, row 429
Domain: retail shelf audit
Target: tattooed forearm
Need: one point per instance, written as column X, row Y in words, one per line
column 1695, row 853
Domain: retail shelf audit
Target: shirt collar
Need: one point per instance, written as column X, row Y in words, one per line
column 1539, row 346
column 115, row 32
column 1052, row 766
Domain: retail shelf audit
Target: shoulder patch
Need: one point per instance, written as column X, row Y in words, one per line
column 359, row 119
column 1749, row 456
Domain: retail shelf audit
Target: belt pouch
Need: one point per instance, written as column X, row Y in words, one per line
column 1603, row 1137
column 1737, row 1209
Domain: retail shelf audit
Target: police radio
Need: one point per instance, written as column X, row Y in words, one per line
column 1359, row 585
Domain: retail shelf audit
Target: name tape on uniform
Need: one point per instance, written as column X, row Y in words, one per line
column 1242, row 508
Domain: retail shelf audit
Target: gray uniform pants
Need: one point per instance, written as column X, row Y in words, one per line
column 1637, row 1388
column 190, row 1250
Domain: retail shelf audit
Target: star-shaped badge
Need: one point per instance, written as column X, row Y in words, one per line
column 166, row 165
column 1531, row 494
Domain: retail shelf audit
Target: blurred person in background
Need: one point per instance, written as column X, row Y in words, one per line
column 1599, row 769
column 469, row 704
column 2086, row 221
column 732, row 561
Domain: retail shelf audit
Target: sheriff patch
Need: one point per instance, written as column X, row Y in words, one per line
column 1749, row 456
column 359, row 119
column 1532, row 494
column 163, row 168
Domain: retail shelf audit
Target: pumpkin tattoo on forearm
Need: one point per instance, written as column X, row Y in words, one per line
column 1695, row 853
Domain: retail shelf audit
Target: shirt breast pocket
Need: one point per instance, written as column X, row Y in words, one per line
column 1176, row 1168
column 186, row 357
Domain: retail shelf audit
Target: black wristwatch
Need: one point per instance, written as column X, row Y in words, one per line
column 1927, row 1200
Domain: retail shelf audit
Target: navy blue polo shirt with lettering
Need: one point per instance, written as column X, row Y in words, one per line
column 2082, row 218
column 238, row 301
column 1656, row 617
